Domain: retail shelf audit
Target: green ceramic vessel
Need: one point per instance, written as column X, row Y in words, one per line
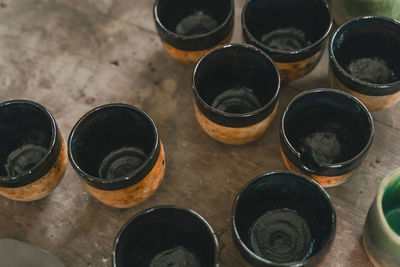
column 344, row 10
column 381, row 235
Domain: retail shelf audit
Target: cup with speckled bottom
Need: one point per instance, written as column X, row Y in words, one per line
column 381, row 235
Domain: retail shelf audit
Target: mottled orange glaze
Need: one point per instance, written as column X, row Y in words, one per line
column 325, row 181
column 190, row 57
column 373, row 103
column 231, row 135
column 135, row 194
column 42, row 187
column 298, row 69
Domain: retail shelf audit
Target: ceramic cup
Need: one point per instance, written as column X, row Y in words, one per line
column 235, row 90
column 292, row 32
column 166, row 236
column 344, row 10
column 33, row 156
column 365, row 61
column 326, row 135
column 381, row 235
column 283, row 218
column 116, row 151
column 190, row 28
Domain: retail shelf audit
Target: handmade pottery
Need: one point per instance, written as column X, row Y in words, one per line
column 283, row 218
column 381, row 235
column 33, row 156
column 326, row 135
column 292, row 32
column 235, row 89
column 344, row 10
column 166, row 236
column 188, row 28
column 365, row 61
column 116, row 151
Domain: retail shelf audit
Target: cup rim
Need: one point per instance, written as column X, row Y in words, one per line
column 19, row 179
column 299, row 176
column 161, row 207
column 393, row 175
column 329, row 90
column 131, row 179
column 235, row 115
column 287, row 52
column 349, row 23
column 194, row 36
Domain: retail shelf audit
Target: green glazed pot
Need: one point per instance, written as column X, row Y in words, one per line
column 381, row 235
column 344, row 10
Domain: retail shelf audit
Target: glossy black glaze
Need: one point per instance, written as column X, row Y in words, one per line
column 367, row 38
column 103, row 133
column 306, row 23
column 290, row 192
column 215, row 18
column 31, row 142
column 169, row 234
column 326, row 132
column 231, row 67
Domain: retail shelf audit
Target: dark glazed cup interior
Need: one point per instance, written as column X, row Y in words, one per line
column 365, row 55
column 166, row 236
column 288, row 30
column 236, row 85
column 326, row 132
column 30, row 143
column 283, row 219
column 193, row 24
column 113, row 146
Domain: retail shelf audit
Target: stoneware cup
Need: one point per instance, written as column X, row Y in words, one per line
column 344, row 10
column 33, row 155
column 235, row 90
column 326, row 135
column 364, row 59
column 283, row 218
column 292, row 32
column 166, row 236
column 381, row 235
column 116, row 151
column 190, row 28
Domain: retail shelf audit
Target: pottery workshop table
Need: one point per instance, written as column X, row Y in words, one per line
column 74, row 55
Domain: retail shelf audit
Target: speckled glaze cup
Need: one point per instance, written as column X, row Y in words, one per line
column 235, row 90
column 33, row 156
column 166, row 236
column 364, row 59
column 283, row 218
column 344, row 10
column 190, row 28
column 116, row 151
column 381, row 235
column 292, row 32
column 325, row 134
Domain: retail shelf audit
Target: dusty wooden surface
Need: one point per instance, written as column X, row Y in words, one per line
column 73, row 55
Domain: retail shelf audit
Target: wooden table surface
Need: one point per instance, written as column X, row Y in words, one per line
column 74, row 55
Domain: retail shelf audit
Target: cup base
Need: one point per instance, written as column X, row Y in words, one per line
column 231, row 135
column 135, row 194
column 369, row 254
column 45, row 185
column 325, row 181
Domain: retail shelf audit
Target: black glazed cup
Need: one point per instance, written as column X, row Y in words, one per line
column 364, row 56
column 116, row 151
column 283, row 218
column 33, row 155
column 291, row 32
column 190, row 28
column 166, row 236
column 235, row 90
column 325, row 134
